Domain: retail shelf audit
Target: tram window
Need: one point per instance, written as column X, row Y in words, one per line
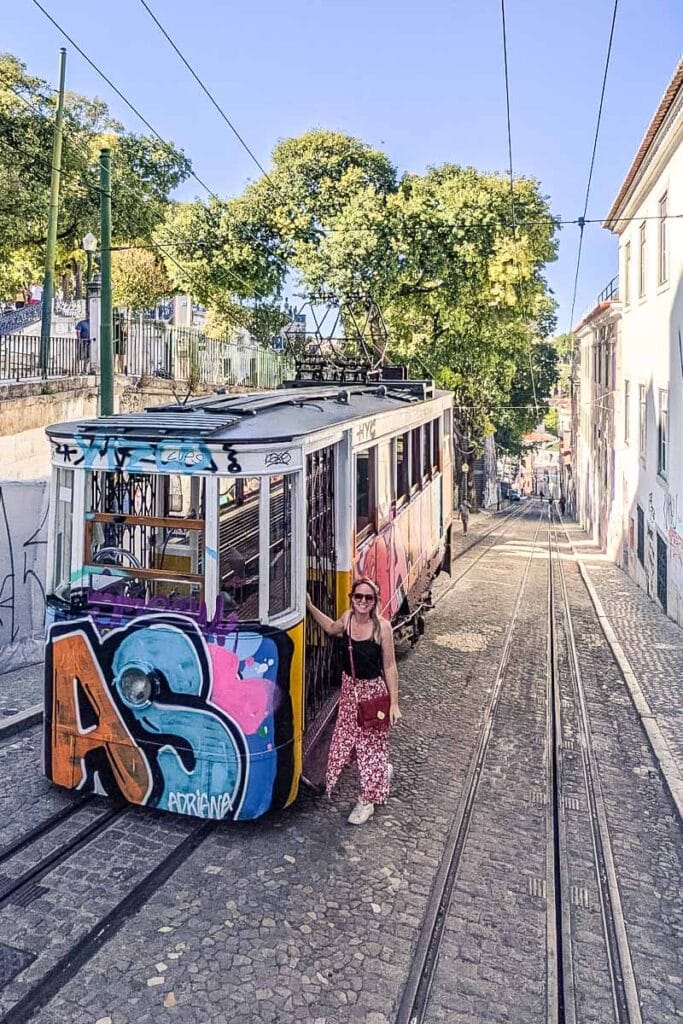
column 238, row 544
column 280, row 546
column 436, row 446
column 143, row 548
column 402, row 488
column 416, row 459
column 384, row 481
column 63, row 533
column 427, row 448
column 365, row 489
column 448, row 429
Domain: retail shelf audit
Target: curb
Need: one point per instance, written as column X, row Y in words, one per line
column 22, row 720
column 660, row 748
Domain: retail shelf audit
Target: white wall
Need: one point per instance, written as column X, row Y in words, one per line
column 651, row 356
column 23, row 547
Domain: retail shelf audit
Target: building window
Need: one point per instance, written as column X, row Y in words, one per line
column 642, row 421
column 662, row 253
column 365, row 489
column 663, row 433
column 627, row 411
column 641, row 536
column 642, row 241
column 627, row 273
column 608, row 358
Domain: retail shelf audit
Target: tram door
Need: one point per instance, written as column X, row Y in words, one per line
column 322, row 676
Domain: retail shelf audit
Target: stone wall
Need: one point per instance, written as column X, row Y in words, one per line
column 23, row 545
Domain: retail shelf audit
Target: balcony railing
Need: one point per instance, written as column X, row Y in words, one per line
column 611, row 292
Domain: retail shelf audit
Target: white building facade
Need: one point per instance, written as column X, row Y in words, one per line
column 646, row 519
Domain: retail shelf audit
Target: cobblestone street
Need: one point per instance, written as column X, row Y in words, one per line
column 301, row 917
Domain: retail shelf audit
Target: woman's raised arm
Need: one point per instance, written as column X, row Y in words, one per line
column 333, row 627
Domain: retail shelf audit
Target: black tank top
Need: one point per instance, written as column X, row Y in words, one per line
column 367, row 657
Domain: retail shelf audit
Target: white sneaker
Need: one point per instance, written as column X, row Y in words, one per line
column 361, row 813
column 390, row 774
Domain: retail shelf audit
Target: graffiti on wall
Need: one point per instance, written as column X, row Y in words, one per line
column 211, row 733
column 671, row 522
column 23, row 546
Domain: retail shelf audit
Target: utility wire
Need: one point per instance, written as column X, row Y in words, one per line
column 207, row 92
column 582, row 219
column 98, row 70
column 512, row 185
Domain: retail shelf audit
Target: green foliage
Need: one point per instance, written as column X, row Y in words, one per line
column 138, row 279
column 144, row 172
column 551, row 421
column 461, row 291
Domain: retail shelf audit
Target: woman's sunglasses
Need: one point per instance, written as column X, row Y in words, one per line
column 363, row 597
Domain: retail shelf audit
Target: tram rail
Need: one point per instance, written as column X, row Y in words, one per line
column 561, row 992
column 415, row 998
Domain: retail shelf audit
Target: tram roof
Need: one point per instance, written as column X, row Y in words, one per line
column 250, row 418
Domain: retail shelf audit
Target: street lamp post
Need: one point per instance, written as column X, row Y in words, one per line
column 89, row 245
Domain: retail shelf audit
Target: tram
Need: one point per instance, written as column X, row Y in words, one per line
column 181, row 671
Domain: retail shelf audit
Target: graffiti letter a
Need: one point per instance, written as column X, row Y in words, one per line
column 74, row 663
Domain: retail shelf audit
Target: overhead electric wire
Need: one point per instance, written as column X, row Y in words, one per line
column 582, row 219
column 118, row 92
column 207, row 92
column 512, row 184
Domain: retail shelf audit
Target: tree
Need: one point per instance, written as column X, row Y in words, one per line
column 144, row 172
column 139, row 280
column 450, row 261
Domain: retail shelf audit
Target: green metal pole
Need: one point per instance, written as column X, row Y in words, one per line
column 48, row 282
column 106, row 325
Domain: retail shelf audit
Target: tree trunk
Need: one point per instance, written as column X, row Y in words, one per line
column 77, row 271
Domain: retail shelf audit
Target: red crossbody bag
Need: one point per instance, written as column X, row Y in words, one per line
column 373, row 712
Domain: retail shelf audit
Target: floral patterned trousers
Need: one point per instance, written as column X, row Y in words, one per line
column 371, row 746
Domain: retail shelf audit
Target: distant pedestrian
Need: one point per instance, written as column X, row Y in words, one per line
column 83, row 344
column 120, row 343
column 368, row 704
column 562, row 504
column 464, row 514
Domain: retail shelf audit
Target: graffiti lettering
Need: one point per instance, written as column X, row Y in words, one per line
column 201, row 805
column 652, row 515
column 233, row 464
column 23, row 542
column 112, row 453
column 367, row 430
column 74, row 663
column 278, row 458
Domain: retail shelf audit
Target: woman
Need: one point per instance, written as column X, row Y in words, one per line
column 368, row 671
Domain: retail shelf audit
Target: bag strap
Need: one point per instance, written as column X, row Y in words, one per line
column 351, row 661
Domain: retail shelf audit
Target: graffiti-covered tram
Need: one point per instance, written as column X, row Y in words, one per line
column 181, row 672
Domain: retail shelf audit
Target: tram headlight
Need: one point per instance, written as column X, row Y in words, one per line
column 136, row 687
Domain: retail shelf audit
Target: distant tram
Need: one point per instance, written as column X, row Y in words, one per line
column 181, row 672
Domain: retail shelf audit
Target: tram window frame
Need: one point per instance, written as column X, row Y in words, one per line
column 415, row 459
column 287, row 590
column 436, row 445
column 243, row 567
column 129, row 513
column 366, row 524
column 384, row 494
column 60, row 581
column 426, row 453
column 402, row 468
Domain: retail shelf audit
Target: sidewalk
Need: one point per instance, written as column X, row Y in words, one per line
column 652, row 642
column 21, row 696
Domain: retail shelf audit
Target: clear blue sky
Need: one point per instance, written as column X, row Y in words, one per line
column 424, row 81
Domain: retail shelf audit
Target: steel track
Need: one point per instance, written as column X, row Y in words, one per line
column 85, row 948
column 415, row 998
column 625, row 998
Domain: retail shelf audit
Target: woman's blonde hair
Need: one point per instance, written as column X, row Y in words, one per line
column 374, row 614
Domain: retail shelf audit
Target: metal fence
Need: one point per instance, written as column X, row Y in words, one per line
column 154, row 350
column 20, row 357
column 144, row 348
